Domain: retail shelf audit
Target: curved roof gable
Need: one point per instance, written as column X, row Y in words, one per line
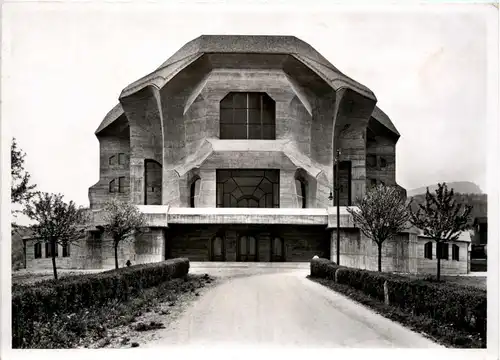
column 110, row 117
column 383, row 119
column 259, row 44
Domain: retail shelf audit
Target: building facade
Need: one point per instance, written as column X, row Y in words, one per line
column 228, row 148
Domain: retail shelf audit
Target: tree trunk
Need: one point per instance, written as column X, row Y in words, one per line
column 116, row 254
column 379, row 256
column 53, row 250
column 438, row 267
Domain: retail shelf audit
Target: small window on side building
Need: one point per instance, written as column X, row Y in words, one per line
column 428, row 250
column 112, row 160
column 38, row 250
column 65, row 249
column 455, row 249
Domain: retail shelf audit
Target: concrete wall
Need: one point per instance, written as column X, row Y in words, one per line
column 111, row 145
column 381, row 148
column 358, row 251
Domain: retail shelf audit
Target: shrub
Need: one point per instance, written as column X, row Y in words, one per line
column 42, row 301
column 462, row 307
column 323, row 268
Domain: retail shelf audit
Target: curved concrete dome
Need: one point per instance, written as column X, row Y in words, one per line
column 249, row 44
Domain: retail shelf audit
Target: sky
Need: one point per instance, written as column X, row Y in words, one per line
column 64, row 66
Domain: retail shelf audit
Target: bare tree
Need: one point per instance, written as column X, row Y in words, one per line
column 441, row 218
column 123, row 221
column 56, row 222
column 382, row 214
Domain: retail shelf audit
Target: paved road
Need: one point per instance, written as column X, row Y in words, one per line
column 284, row 309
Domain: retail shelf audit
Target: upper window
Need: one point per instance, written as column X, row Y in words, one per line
column 122, row 158
column 247, row 116
column 383, row 163
column 112, row 188
column 300, row 188
column 121, row 184
column 194, row 192
column 371, row 161
column 112, row 160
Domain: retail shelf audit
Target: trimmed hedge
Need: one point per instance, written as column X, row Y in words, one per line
column 44, row 300
column 461, row 306
column 323, row 268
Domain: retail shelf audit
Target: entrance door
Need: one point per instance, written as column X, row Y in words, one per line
column 217, row 249
column 277, row 249
column 247, row 248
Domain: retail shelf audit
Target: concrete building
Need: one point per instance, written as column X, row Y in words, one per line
column 229, row 146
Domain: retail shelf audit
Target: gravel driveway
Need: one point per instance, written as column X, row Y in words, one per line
column 283, row 309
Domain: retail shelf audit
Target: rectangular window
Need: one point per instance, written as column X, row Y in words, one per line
column 122, row 159
column 65, row 249
column 112, row 186
column 247, row 116
column 121, row 184
column 442, row 249
column 371, row 161
column 38, row 250
column 428, row 250
column 48, row 250
column 455, row 252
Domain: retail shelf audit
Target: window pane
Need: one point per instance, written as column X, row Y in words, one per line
column 121, row 159
column 240, row 116
column 227, row 102
column 255, row 132
column 277, row 246
column 226, row 116
column 243, row 245
column 268, row 132
column 217, row 246
column 225, row 132
column 251, row 245
column 112, row 160
column 121, row 184
column 254, row 100
column 240, row 100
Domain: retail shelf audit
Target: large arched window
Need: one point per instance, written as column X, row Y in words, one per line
column 248, row 188
column 194, row 192
column 300, row 188
column 247, row 115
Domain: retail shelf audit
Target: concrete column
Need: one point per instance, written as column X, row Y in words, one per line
column 288, row 194
column 207, row 197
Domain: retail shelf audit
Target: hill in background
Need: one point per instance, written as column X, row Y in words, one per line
column 466, row 193
column 462, row 187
